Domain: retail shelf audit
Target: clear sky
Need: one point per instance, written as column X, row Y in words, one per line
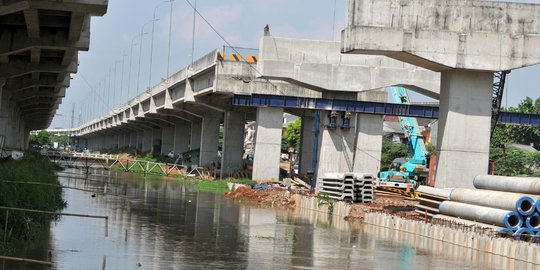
column 241, row 22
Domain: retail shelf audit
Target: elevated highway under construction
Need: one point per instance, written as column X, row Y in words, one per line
column 457, row 52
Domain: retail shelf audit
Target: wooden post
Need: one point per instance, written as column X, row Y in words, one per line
column 432, row 170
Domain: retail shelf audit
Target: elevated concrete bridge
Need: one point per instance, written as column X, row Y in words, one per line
column 39, row 45
column 436, row 51
column 185, row 111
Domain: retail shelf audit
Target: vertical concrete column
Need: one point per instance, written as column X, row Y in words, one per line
column 196, row 130
column 146, row 140
column 156, row 141
column 133, row 139
column 233, row 142
column 307, row 139
column 102, row 142
column 139, row 145
column 3, row 106
column 182, row 136
column 464, row 125
column 267, row 144
column 4, row 129
column 369, row 133
column 167, row 139
column 209, row 139
column 127, row 136
column 336, row 154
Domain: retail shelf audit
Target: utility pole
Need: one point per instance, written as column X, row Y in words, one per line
column 72, row 115
column 193, row 34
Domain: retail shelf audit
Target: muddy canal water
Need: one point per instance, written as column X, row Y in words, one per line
column 158, row 223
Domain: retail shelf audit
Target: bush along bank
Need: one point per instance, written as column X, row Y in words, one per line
column 23, row 228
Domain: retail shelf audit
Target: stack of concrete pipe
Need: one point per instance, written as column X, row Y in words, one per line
column 509, row 204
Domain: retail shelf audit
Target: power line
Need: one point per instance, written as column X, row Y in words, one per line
column 232, row 47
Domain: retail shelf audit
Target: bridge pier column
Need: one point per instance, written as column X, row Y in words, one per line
column 140, row 136
column 267, row 144
column 146, row 140
column 156, row 141
column 307, row 139
column 167, row 139
column 464, row 125
column 182, row 136
column 336, row 154
column 196, row 129
column 133, row 139
column 209, row 139
column 233, row 142
column 369, row 134
column 125, row 143
column 4, row 102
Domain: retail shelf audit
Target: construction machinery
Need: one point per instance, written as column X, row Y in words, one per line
column 412, row 170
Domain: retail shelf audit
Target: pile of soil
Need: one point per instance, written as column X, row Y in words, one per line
column 392, row 205
column 274, row 197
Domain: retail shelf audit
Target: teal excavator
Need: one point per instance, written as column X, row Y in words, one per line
column 412, row 170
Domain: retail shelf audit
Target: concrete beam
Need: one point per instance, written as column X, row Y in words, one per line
column 320, row 65
column 442, row 35
column 54, row 41
column 16, row 69
column 76, row 25
column 32, row 23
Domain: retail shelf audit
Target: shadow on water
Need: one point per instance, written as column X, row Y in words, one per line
column 158, row 223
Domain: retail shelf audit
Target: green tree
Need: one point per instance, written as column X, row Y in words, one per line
column 42, row 138
column 291, row 138
column 391, row 151
column 512, row 161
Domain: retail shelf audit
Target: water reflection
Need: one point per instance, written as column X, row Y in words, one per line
column 157, row 223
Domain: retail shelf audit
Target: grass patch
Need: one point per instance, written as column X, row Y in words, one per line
column 24, row 228
column 220, row 186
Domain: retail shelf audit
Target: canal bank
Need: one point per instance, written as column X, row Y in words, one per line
column 30, row 183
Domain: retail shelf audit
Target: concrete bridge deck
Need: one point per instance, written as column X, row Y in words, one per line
column 39, row 46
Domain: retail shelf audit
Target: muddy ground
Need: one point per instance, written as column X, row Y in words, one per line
column 278, row 197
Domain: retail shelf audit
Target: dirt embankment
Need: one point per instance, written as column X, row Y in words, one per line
column 282, row 198
column 275, row 197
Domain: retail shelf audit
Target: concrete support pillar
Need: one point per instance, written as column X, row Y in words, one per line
column 182, row 136
column 156, row 141
column 139, row 145
column 133, row 139
column 167, row 139
column 196, row 129
column 102, row 145
column 464, row 125
column 233, row 143
column 209, row 139
column 336, row 154
column 146, row 140
column 369, row 134
column 4, row 114
column 127, row 136
column 307, row 139
column 267, row 144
